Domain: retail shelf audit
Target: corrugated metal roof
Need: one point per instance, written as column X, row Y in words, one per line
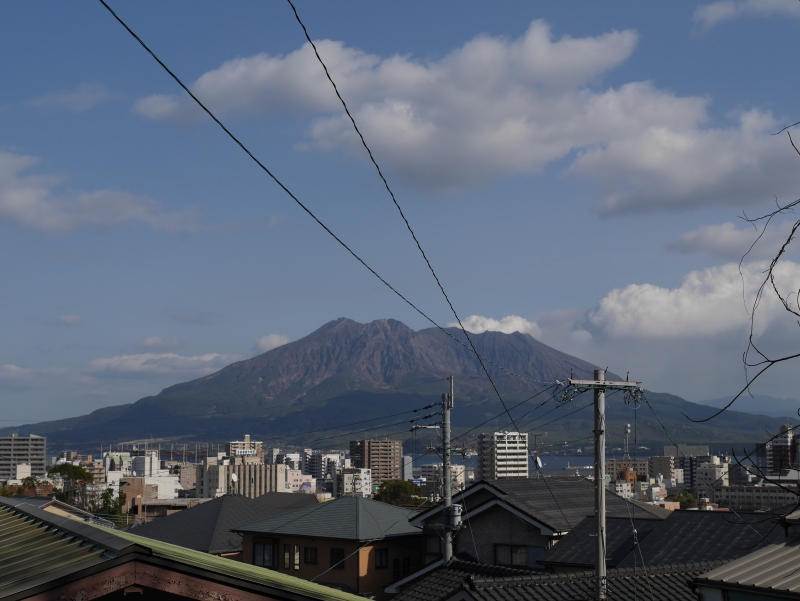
column 775, row 568
column 346, row 518
column 39, row 551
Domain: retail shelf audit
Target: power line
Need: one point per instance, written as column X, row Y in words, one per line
column 396, row 204
column 308, row 211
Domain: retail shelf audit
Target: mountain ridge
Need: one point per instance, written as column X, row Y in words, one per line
column 346, row 368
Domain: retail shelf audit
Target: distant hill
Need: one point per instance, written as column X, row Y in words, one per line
column 760, row 404
column 348, row 372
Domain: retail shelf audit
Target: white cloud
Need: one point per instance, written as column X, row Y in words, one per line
column 498, row 106
column 508, row 325
column 29, row 201
column 707, row 303
column 156, row 343
column 269, row 342
column 86, row 96
column 687, row 340
column 728, row 242
column 149, row 364
column 711, row 14
column 14, row 372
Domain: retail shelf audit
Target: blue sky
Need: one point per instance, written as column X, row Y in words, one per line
column 574, row 171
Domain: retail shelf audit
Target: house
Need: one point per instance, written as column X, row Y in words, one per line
column 46, row 556
column 207, row 527
column 769, row 573
column 513, row 522
column 468, row 581
column 56, row 508
column 352, row 543
column 683, row 537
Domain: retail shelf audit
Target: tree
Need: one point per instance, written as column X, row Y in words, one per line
column 398, row 492
column 74, row 480
column 30, row 482
column 686, row 500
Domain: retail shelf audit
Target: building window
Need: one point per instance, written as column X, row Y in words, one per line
column 265, row 553
column 337, row 559
column 396, row 569
column 310, row 555
column 517, row 556
column 287, row 556
column 381, row 559
column 296, row 557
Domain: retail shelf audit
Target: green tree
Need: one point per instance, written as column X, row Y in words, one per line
column 73, row 483
column 30, row 482
column 685, row 498
column 398, row 492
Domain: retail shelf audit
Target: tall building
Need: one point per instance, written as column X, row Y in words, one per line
column 502, row 455
column 244, row 448
column 433, row 472
column 384, row 458
column 640, row 466
column 22, row 449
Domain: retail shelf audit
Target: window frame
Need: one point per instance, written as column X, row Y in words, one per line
column 310, row 556
column 382, row 558
column 265, row 543
column 337, row 558
column 287, row 556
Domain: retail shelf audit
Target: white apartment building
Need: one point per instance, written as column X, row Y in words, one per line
column 244, row 448
column 433, row 472
column 502, row 455
column 708, row 476
column 352, row 481
column 621, row 488
column 297, row 480
column 319, row 464
column 291, row 460
column 217, row 477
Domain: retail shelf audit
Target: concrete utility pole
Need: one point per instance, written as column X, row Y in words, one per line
column 447, row 404
column 633, row 391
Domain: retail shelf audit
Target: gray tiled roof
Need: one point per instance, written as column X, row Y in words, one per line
column 577, row 548
column 705, row 535
column 207, row 527
column 657, row 583
column 575, row 497
column 771, row 570
column 346, row 518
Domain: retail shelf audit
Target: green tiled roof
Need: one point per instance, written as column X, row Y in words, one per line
column 236, row 569
column 40, row 550
column 346, row 518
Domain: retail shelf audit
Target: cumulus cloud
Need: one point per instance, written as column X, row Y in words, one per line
column 728, row 242
column 269, row 342
column 508, row 325
column 86, row 96
column 29, row 201
column 711, row 14
column 156, row 343
column 687, row 339
column 498, row 106
column 149, row 364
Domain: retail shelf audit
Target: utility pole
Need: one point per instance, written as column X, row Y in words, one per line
column 451, row 513
column 447, row 404
column 633, row 393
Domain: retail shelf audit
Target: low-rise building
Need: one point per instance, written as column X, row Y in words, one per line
column 351, row 543
column 300, row 482
column 352, row 482
column 760, row 497
column 640, row 466
column 217, row 477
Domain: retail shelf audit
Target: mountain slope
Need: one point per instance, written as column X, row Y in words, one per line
column 347, row 372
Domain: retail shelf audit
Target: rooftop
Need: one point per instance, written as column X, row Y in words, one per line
column 44, row 553
column 207, row 527
column 346, row 518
